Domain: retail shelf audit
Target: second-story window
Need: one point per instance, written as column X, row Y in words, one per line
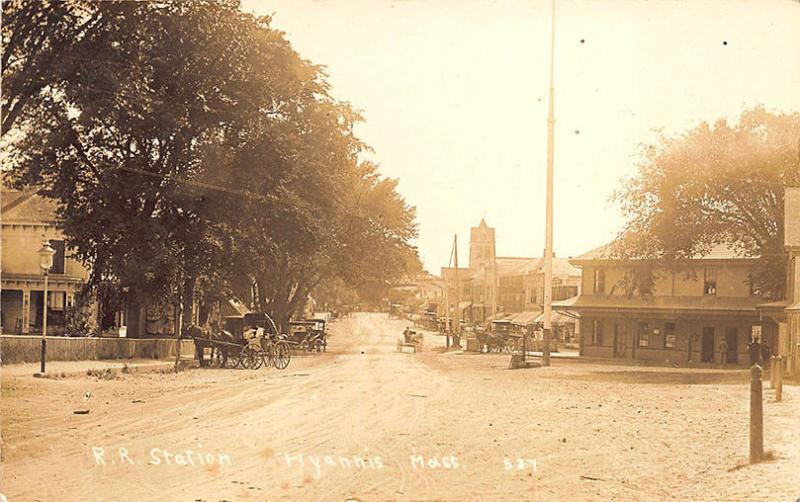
column 710, row 282
column 58, row 258
column 599, row 280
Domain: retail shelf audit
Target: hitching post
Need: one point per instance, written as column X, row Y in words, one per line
column 779, row 362
column 772, row 372
column 756, row 416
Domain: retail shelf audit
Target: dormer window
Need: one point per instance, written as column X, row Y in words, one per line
column 710, row 282
column 599, row 280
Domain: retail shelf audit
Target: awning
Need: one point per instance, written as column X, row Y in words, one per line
column 687, row 304
column 558, row 318
column 525, row 318
column 498, row 316
column 464, row 305
column 233, row 307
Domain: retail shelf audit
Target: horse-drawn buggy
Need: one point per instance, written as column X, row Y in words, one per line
column 500, row 338
column 430, row 321
column 410, row 339
column 395, row 311
column 308, row 335
column 249, row 341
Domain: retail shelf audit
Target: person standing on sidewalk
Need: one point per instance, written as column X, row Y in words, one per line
column 765, row 354
column 754, row 348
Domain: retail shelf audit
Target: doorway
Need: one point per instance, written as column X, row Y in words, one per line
column 620, row 339
column 707, row 349
column 731, row 337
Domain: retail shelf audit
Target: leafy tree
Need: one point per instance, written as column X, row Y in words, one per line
column 720, row 184
column 42, row 48
column 335, row 218
column 193, row 151
column 122, row 144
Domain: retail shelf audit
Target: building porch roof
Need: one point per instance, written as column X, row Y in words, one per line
column 659, row 303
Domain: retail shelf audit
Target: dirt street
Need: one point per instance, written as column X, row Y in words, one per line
column 368, row 423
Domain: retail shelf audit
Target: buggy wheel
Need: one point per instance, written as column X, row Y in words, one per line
column 251, row 358
column 280, row 355
column 218, row 360
column 245, row 357
column 260, row 356
column 269, row 362
column 234, row 358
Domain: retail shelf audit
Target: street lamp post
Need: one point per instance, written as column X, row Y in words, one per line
column 46, row 254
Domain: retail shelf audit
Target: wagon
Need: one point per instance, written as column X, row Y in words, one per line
column 410, row 339
column 308, row 334
column 318, row 337
column 500, row 339
column 395, row 311
column 249, row 341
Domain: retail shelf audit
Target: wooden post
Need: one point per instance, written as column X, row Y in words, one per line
column 772, row 372
column 457, row 327
column 778, row 372
column 178, row 324
column 756, row 416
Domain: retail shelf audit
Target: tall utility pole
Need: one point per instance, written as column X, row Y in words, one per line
column 548, row 246
column 446, row 309
column 494, row 280
column 457, row 327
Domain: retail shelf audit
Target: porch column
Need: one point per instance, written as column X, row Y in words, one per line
column 26, row 311
column 792, row 359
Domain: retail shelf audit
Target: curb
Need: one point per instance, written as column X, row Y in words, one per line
column 99, row 372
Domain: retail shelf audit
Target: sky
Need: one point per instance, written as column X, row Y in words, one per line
column 454, row 96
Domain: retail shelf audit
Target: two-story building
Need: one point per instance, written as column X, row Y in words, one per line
column 27, row 220
column 705, row 312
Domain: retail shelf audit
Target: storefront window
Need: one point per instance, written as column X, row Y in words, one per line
column 670, row 338
column 644, row 334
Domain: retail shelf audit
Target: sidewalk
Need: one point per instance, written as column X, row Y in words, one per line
column 76, row 368
column 564, row 354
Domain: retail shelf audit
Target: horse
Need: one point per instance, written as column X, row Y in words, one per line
column 205, row 337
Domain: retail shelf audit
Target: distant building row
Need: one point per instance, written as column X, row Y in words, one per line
column 708, row 312
column 495, row 287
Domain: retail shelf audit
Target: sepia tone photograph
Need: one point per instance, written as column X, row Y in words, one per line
column 400, row 250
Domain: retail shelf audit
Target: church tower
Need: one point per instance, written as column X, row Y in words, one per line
column 481, row 246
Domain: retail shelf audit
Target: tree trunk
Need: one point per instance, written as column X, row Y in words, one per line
column 188, row 302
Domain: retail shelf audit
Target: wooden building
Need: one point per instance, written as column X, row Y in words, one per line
column 27, row 220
